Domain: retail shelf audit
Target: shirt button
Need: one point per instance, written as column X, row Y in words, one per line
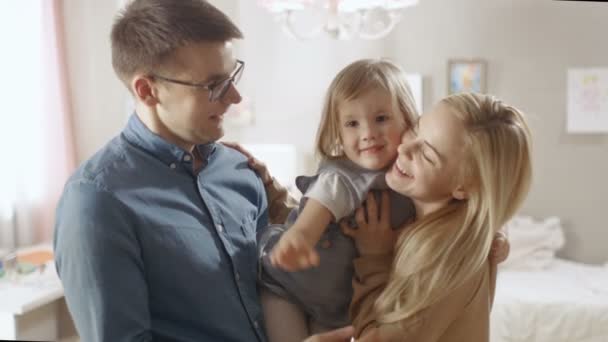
column 172, row 166
column 220, row 228
column 256, row 325
column 237, row 276
column 187, row 158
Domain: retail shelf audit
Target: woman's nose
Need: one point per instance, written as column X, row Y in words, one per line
column 407, row 149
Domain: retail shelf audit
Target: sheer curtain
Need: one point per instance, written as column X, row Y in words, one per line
column 36, row 144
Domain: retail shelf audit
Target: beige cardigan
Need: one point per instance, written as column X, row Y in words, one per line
column 463, row 316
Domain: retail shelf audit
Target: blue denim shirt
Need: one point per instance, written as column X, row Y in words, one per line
column 147, row 250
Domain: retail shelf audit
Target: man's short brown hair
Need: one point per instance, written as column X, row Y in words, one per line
column 147, row 32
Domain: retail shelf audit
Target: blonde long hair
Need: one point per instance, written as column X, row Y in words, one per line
column 444, row 249
column 350, row 83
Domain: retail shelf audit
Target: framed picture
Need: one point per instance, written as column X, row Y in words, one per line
column 466, row 75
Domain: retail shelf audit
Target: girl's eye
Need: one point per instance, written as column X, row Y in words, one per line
column 351, row 123
column 382, row 118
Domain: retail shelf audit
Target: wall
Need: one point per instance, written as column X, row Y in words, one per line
column 98, row 98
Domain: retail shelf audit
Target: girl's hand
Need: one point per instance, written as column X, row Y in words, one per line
column 258, row 166
column 374, row 236
column 500, row 248
column 294, row 251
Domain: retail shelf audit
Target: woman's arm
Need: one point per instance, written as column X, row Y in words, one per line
column 371, row 275
column 280, row 201
column 375, row 241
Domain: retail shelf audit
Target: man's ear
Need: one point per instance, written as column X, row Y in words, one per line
column 460, row 193
column 144, row 90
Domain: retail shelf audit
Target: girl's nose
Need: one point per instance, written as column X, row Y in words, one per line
column 369, row 132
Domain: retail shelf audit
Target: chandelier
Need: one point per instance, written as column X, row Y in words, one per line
column 340, row 19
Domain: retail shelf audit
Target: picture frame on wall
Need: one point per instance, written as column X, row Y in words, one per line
column 466, row 75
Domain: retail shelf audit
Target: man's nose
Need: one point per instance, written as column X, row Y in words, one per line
column 232, row 96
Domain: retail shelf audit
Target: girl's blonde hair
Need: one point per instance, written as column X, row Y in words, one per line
column 446, row 248
column 350, row 83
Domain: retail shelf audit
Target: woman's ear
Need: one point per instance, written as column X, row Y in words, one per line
column 143, row 88
column 460, row 193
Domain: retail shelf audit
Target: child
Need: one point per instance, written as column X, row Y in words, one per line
column 367, row 109
column 467, row 168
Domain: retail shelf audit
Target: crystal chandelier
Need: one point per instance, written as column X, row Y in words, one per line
column 340, row 19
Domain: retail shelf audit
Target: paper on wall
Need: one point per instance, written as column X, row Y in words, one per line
column 588, row 100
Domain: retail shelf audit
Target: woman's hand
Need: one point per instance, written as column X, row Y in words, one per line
column 500, row 248
column 374, row 237
column 258, row 166
column 338, row 335
column 371, row 335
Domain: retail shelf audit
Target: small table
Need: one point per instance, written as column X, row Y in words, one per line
column 29, row 305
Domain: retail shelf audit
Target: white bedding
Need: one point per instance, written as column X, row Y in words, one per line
column 567, row 302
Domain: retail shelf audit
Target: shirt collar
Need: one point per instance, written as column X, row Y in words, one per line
column 138, row 134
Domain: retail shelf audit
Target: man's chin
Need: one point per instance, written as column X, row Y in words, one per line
column 214, row 136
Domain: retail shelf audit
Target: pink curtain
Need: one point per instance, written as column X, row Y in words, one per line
column 57, row 153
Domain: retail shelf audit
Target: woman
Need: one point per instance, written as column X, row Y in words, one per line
column 467, row 169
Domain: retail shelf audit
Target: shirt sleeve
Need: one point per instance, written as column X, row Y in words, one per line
column 332, row 192
column 99, row 262
column 263, row 209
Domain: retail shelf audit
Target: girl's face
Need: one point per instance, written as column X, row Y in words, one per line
column 428, row 166
column 370, row 129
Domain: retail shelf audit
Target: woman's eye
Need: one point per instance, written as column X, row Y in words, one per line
column 425, row 156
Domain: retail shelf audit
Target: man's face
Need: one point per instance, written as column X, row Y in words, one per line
column 186, row 113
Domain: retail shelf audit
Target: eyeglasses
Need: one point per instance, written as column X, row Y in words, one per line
column 216, row 89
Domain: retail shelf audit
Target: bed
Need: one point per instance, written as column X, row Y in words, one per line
column 564, row 302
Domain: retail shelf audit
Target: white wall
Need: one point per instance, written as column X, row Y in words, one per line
column 528, row 44
column 98, row 98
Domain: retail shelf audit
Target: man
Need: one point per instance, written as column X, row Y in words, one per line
column 156, row 233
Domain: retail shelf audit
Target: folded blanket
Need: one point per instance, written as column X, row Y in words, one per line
column 533, row 243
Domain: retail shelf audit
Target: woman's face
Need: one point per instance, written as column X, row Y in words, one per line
column 428, row 166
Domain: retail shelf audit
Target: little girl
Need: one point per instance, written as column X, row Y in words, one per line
column 367, row 109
